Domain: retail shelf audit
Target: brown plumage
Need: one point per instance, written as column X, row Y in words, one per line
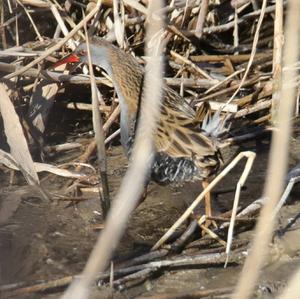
column 184, row 151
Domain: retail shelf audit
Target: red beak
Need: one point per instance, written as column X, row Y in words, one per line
column 69, row 59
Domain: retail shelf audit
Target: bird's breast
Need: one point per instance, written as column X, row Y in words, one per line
column 127, row 126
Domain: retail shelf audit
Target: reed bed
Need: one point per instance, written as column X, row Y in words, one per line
column 234, row 55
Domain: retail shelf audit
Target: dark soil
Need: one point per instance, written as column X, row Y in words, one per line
column 48, row 240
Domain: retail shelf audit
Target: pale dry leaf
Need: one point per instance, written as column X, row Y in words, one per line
column 7, row 160
column 55, row 170
column 118, row 26
column 15, row 137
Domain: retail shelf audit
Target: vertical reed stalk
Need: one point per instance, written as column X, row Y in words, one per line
column 277, row 161
column 277, row 59
column 135, row 178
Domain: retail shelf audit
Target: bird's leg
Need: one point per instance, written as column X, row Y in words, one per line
column 143, row 196
column 250, row 157
column 205, row 183
column 208, row 209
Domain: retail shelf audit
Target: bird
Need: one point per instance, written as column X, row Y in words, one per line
column 185, row 142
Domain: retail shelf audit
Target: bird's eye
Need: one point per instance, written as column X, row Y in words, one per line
column 82, row 53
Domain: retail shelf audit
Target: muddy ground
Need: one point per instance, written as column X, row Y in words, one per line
column 49, row 240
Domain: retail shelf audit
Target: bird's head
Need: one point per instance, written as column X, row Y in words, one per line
column 80, row 55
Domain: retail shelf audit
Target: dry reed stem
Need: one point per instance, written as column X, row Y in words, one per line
column 59, row 20
column 125, row 271
column 2, row 26
column 17, row 32
column 62, row 26
column 286, row 193
column 68, row 19
column 91, row 147
column 36, row 3
column 12, row 162
column 277, row 162
column 277, row 58
column 253, row 50
column 201, row 18
column 213, row 235
column 197, row 201
column 236, row 30
column 130, row 192
column 99, row 134
column 191, row 64
column 250, row 159
column 220, row 83
column 112, row 136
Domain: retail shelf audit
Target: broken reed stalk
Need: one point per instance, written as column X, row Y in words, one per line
column 249, row 155
column 92, row 146
column 277, row 59
column 99, row 135
column 135, row 178
column 62, row 26
column 277, row 161
column 201, row 18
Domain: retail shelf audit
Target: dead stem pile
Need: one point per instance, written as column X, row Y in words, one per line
column 218, row 52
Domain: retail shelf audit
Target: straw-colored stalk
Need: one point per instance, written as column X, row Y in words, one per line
column 201, row 18
column 277, row 162
column 135, row 178
column 277, row 58
column 99, row 135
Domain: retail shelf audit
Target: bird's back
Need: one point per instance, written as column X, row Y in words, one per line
column 183, row 151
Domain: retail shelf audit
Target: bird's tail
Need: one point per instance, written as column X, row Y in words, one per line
column 212, row 123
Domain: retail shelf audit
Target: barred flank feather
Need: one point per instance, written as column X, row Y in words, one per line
column 185, row 143
column 215, row 125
